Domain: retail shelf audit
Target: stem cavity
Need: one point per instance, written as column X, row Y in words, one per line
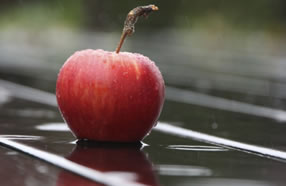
column 131, row 19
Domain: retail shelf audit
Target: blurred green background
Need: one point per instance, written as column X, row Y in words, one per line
column 109, row 15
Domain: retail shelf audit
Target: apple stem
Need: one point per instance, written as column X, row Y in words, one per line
column 131, row 19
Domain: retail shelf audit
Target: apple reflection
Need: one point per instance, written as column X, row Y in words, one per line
column 109, row 158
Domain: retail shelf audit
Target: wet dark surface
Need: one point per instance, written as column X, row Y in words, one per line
column 18, row 169
column 163, row 160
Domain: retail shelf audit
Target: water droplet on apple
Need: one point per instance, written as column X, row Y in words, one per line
column 148, row 133
column 155, row 124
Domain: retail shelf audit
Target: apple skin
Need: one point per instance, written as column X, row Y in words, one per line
column 108, row 96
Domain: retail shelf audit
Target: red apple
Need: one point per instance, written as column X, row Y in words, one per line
column 109, row 96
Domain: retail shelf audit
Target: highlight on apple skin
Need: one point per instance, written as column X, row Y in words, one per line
column 109, row 96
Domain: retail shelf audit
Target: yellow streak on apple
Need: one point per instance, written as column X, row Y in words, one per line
column 138, row 73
